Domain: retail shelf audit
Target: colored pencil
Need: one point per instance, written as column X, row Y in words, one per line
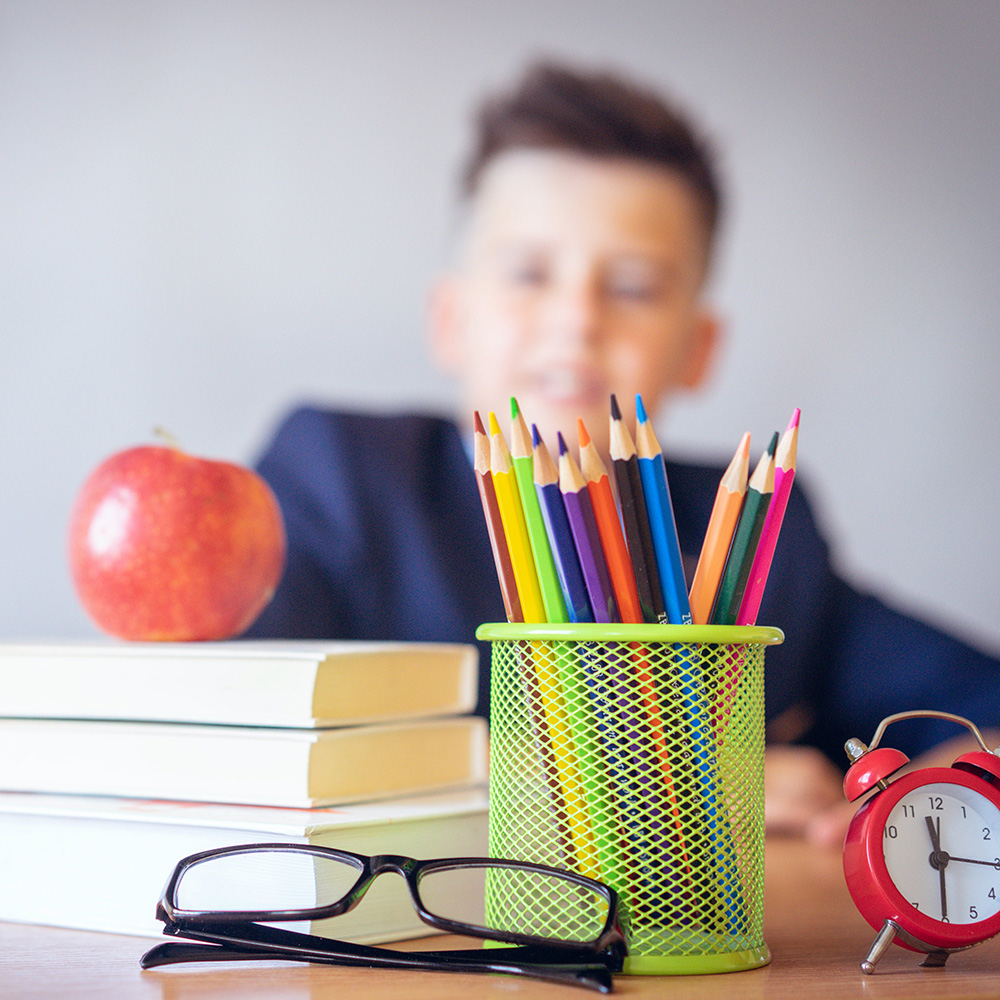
column 522, row 457
column 625, row 467
column 719, row 535
column 609, row 527
column 784, row 475
column 515, row 530
column 567, row 563
column 745, row 539
column 586, row 538
column 663, row 527
column 627, row 596
column 494, row 524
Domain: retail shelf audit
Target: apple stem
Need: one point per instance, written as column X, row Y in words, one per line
column 162, row 432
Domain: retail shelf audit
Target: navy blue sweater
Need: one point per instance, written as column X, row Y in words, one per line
column 387, row 540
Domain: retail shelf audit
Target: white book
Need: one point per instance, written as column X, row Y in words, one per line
column 101, row 863
column 268, row 682
column 298, row 768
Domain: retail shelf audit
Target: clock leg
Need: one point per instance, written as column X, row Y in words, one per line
column 879, row 947
column 935, row 960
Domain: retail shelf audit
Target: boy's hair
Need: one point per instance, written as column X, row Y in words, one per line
column 598, row 114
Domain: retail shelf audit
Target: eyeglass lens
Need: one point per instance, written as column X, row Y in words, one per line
column 524, row 902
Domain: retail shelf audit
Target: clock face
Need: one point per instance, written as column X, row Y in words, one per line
column 941, row 844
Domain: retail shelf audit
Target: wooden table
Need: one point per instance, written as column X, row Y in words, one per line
column 815, row 935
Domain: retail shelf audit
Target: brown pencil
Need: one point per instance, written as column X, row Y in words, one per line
column 609, row 527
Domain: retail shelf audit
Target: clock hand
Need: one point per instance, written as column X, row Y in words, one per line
column 995, row 863
column 938, row 860
column 934, row 832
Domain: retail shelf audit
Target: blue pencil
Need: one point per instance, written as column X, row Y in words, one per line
column 546, row 478
column 656, row 492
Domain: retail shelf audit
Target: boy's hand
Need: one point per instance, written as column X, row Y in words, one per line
column 803, row 796
column 803, row 791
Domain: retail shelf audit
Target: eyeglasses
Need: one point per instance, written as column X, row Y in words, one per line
column 559, row 926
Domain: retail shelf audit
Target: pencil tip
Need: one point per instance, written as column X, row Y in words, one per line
column 640, row 410
column 794, row 422
column 536, row 438
column 744, row 447
column 514, row 410
column 477, row 422
column 494, row 423
column 562, row 444
column 581, row 432
column 772, row 447
column 616, row 414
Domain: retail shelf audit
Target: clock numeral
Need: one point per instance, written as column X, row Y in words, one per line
column 992, row 894
column 891, row 832
column 909, row 810
column 936, row 801
column 973, row 913
column 965, row 815
column 986, row 833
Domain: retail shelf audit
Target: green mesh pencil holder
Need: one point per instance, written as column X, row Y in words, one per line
column 635, row 754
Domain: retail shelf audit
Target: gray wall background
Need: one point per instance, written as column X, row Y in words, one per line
column 211, row 210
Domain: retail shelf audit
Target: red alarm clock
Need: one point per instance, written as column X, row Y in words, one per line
column 922, row 855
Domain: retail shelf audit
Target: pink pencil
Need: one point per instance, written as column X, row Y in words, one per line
column 784, row 474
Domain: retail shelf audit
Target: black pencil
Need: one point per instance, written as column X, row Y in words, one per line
column 625, row 466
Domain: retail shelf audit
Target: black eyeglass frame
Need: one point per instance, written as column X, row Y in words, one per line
column 241, row 936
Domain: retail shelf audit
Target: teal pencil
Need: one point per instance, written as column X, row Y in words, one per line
column 745, row 539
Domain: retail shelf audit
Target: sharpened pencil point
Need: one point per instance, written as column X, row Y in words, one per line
column 514, row 410
column 794, row 422
column 494, row 423
column 616, row 414
column 536, row 437
column 640, row 410
column 562, row 444
column 772, row 447
column 581, row 433
column 477, row 422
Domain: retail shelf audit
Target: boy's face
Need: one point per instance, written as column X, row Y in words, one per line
column 580, row 277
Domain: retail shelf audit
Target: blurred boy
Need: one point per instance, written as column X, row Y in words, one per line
column 591, row 214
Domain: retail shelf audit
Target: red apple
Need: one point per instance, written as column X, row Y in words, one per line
column 166, row 546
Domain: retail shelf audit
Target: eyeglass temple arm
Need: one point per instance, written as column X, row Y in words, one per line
column 593, row 976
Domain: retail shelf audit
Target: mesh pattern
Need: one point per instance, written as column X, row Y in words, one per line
column 640, row 764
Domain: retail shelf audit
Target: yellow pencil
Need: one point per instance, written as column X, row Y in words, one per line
column 550, row 712
column 514, row 526
column 719, row 536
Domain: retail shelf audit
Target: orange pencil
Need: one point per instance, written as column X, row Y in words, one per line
column 494, row 523
column 719, row 536
column 609, row 528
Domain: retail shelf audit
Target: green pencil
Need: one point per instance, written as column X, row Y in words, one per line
column 745, row 538
column 522, row 457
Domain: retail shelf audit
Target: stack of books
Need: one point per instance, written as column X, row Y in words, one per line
column 117, row 759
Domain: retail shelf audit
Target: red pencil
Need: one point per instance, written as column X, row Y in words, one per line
column 609, row 527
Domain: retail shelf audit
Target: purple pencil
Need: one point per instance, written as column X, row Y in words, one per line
column 586, row 538
column 546, row 477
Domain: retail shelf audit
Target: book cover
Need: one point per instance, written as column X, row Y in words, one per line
column 242, row 682
column 240, row 764
column 101, row 863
